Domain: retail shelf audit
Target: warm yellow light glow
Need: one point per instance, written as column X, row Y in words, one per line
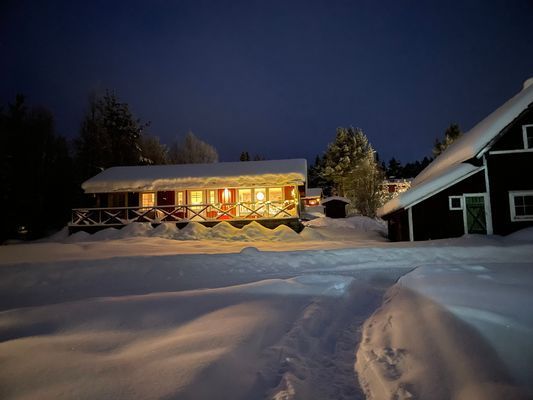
column 148, row 199
column 180, row 198
column 275, row 194
column 225, row 195
column 197, row 196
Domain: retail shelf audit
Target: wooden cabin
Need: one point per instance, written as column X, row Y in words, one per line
column 238, row 192
column 481, row 184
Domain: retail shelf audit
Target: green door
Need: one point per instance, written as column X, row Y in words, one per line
column 475, row 214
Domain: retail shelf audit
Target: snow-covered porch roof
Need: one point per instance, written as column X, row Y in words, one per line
column 190, row 176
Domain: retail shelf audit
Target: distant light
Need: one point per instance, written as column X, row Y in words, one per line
column 260, row 196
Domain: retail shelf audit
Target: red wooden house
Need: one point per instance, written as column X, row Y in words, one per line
column 239, row 192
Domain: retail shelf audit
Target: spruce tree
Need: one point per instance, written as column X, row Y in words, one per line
column 351, row 165
column 109, row 136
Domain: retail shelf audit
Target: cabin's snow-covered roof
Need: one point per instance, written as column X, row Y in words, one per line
column 313, row 192
column 450, row 166
column 224, row 174
column 338, row 198
column 470, row 144
column 432, row 186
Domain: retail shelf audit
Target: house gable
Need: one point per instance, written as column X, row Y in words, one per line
column 511, row 139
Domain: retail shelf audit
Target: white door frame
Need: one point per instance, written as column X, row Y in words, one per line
column 488, row 214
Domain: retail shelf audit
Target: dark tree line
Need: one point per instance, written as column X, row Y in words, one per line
column 36, row 171
column 41, row 173
column 394, row 169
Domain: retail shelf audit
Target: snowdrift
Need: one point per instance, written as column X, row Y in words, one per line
column 452, row 332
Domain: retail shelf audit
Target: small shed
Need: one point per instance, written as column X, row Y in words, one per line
column 335, row 206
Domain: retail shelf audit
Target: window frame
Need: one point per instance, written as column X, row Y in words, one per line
column 524, row 136
column 450, row 201
column 142, row 202
column 512, row 206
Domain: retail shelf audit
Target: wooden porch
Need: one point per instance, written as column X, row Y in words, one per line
column 270, row 214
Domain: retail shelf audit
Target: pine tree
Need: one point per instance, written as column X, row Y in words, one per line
column 452, row 133
column 109, row 136
column 351, row 165
column 244, row 156
column 394, row 169
column 192, row 151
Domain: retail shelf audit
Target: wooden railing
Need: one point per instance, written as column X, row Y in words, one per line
column 117, row 216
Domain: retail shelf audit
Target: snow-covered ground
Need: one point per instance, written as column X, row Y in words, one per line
column 145, row 313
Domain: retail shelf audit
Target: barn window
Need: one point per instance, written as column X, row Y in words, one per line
column 455, row 202
column 521, row 205
column 527, row 131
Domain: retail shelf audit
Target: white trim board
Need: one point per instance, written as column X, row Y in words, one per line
column 511, row 151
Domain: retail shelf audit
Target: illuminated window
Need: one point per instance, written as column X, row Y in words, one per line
column 245, row 195
column 275, row 194
column 148, row 199
column 212, row 196
column 226, row 195
column 180, row 197
column 197, row 196
column 260, row 194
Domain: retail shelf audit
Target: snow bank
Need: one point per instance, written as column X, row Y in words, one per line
column 224, row 231
column 524, row 235
column 358, row 226
column 452, row 332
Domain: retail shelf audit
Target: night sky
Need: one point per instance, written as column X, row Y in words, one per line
column 272, row 77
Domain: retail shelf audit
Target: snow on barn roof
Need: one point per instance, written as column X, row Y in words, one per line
column 224, row 174
column 450, row 166
column 474, row 141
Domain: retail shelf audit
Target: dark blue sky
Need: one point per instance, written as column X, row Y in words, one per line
column 272, row 77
